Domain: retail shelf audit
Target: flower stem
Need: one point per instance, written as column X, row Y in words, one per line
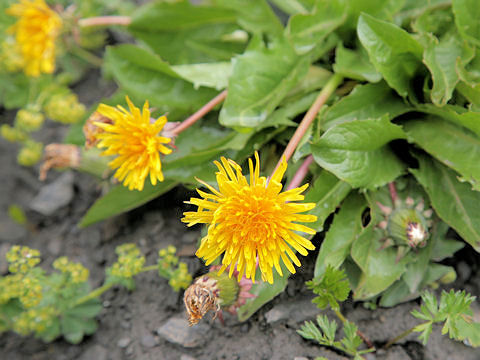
column 307, row 120
column 149, row 268
column 402, row 335
column 94, row 294
column 105, row 21
column 87, row 56
column 364, row 337
column 301, row 173
column 200, row 113
column 393, row 192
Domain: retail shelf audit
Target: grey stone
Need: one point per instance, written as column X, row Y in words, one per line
column 148, row 341
column 55, row 246
column 54, row 196
column 123, row 343
column 396, row 353
column 294, row 312
column 10, row 230
column 96, row 352
column 300, row 358
column 176, row 330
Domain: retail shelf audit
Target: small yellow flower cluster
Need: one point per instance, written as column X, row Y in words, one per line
column 12, row 134
column 30, row 153
column 10, row 56
column 130, row 261
column 178, row 276
column 34, row 320
column 76, row 272
column 29, row 120
column 18, row 286
column 22, row 259
column 35, row 32
column 65, row 108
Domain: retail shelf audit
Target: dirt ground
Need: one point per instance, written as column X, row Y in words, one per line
column 150, row 322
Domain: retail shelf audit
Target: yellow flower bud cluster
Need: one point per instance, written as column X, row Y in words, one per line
column 65, row 108
column 27, row 289
column 178, row 276
column 76, row 272
column 130, row 261
column 12, row 134
column 11, row 58
column 30, row 153
column 29, row 120
column 34, row 320
column 22, row 259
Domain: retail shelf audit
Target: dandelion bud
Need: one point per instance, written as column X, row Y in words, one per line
column 408, row 227
column 29, row 120
column 65, row 108
column 12, row 134
column 30, row 153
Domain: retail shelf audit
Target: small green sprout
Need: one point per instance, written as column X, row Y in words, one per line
column 332, row 287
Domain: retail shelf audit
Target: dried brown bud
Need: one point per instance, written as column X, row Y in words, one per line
column 201, row 297
column 59, row 156
column 91, row 130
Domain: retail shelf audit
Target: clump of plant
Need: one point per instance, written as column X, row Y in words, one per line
column 62, row 303
column 332, row 288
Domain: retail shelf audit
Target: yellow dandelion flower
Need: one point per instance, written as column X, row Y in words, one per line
column 251, row 222
column 35, row 32
column 136, row 141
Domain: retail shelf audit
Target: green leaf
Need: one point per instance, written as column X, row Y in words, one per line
column 454, row 202
column 89, row 309
column 327, row 192
column 274, row 70
column 455, row 114
column 393, row 52
column 145, row 76
column 293, row 7
column 469, row 331
column 362, row 161
column 306, row 31
column 380, row 268
column 74, row 328
column 182, row 33
column 354, row 64
column 213, row 75
column 14, row 90
column 441, row 59
column 255, row 16
column 368, row 134
column 365, row 101
column 120, row 199
column 467, row 15
column 345, row 228
column 452, row 145
column 331, row 287
column 380, row 9
column 264, row 292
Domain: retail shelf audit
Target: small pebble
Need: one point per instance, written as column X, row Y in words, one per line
column 123, row 343
column 148, row 341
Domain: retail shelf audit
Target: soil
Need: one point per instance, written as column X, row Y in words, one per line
column 149, row 322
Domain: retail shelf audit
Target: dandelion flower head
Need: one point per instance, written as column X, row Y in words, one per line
column 35, row 32
column 251, row 221
column 136, row 142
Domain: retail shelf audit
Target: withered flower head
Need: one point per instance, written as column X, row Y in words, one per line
column 201, row 297
column 91, row 130
column 59, row 156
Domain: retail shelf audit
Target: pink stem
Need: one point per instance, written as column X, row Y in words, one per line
column 393, row 192
column 301, row 173
column 307, row 120
column 105, row 21
column 200, row 113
